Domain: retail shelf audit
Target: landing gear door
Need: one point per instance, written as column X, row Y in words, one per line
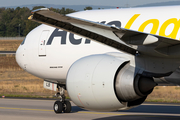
column 50, row 85
column 42, row 43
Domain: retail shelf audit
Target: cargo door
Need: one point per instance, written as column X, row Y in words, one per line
column 42, row 43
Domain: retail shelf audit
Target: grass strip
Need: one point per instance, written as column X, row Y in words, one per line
column 163, row 100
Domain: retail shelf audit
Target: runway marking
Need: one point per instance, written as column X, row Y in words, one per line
column 101, row 113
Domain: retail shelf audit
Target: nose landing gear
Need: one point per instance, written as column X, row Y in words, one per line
column 61, row 105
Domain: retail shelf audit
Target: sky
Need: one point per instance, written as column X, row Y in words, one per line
column 118, row 3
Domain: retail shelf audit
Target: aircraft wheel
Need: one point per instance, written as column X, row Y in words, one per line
column 58, row 107
column 67, row 107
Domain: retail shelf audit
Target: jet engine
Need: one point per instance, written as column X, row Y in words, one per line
column 107, row 83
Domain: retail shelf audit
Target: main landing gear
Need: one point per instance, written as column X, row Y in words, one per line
column 61, row 105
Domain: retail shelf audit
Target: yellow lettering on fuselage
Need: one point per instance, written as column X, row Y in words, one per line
column 131, row 21
column 174, row 32
column 155, row 23
column 156, row 26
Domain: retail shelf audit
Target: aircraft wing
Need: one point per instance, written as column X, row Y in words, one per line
column 126, row 40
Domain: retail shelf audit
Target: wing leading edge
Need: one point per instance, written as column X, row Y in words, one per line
column 126, row 40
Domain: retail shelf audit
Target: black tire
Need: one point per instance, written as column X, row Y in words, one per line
column 67, row 107
column 58, row 107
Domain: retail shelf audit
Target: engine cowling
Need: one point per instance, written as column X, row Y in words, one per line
column 106, row 83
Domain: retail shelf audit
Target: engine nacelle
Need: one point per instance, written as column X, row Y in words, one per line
column 106, row 83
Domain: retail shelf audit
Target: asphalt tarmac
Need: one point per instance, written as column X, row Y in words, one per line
column 29, row 109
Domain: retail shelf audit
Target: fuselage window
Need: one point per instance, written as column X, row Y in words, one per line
column 23, row 41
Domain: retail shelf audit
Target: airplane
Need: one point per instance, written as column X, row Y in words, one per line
column 107, row 60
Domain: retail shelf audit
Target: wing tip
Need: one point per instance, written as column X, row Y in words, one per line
column 41, row 9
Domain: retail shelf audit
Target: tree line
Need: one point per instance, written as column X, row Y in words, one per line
column 14, row 22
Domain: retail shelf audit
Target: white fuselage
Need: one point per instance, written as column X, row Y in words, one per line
column 51, row 62
column 48, row 53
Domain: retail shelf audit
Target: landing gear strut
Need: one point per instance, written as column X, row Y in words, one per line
column 61, row 105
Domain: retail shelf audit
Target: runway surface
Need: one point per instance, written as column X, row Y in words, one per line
column 27, row 109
